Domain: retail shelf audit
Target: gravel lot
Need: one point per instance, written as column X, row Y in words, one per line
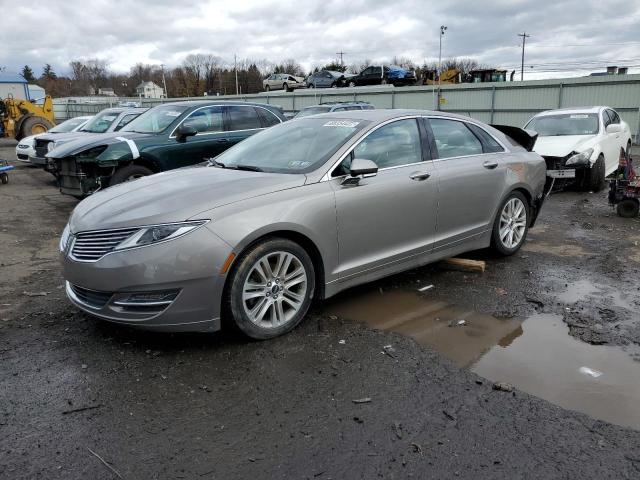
column 325, row 401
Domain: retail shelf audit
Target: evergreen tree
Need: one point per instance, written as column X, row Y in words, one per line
column 48, row 73
column 27, row 73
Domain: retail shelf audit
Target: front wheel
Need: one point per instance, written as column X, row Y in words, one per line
column 4, row 178
column 267, row 88
column 595, row 176
column 129, row 173
column 271, row 288
column 352, row 84
column 511, row 225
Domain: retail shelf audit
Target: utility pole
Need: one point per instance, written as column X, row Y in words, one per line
column 341, row 53
column 164, row 81
column 235, row 67
column 524, row 41
column 443, row 29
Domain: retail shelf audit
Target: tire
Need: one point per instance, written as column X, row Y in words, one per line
column 352, row 84
column 628, row 208
column 285, row 87
column 383, row 82
column 511, row 219
column 4, row 178
column 258, row 316
column 628, row 151
column 267, row 88
column 595, row 176
column 34, row 126
column 334, row 85
column 311, row 85
column 129, row 173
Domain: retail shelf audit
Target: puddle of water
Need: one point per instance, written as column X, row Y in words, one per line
column 428, row 323
column 546, row 361
column 582, row 289
column 538, row 355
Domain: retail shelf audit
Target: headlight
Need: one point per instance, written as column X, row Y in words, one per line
column 64, row 238
column 580, row 158
column 51, row 146
column 159, row 233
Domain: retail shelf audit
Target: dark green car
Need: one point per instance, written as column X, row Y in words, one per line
column 168, row 136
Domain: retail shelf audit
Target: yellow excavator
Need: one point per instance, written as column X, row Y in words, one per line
column 20, row 118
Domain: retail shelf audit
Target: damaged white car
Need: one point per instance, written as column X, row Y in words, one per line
column 581, row 144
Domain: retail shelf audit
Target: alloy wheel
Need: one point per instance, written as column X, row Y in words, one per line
column 275, row 289
column 513, row 223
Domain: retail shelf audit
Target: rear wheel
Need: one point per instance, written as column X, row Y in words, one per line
column 383, row 82
column 271, row 288
column 628, row 208
column 34, row 126
column 129, row 173
column 511, row 225
column 595, row 177
column 352, row 84
column 285, row 87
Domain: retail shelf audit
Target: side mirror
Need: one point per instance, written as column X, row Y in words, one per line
column 185, row 131
column 363, row 167
column 614, row 128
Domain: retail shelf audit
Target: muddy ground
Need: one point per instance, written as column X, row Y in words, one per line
column 80, row 398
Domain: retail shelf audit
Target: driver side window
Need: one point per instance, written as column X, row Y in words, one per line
column 393, row 145
column 206, row 120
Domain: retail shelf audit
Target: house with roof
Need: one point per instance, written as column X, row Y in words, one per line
column 149, row 90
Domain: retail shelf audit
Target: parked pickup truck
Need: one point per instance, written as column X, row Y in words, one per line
column 168, row 136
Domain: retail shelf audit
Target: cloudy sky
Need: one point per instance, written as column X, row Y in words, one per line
column 568, row 37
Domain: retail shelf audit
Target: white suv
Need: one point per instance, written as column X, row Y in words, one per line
column 581, row 143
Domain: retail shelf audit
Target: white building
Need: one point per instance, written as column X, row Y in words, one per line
column 149, row 90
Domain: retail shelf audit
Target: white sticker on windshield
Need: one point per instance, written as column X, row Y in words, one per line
column 299, row 164
column 579, row 116
column 341, row 123
column 172, row 114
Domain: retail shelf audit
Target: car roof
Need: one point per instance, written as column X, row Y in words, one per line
column 202, row 103
column 124, row 109
column 572, row 110
column 389, row 114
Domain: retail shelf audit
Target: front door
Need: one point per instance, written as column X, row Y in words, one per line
column 210, row 141
column 471, row 177
column 392, row 216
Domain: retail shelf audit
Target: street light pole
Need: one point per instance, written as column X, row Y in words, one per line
column 443, row 28
column 235, row 67
column 164, row 82
column 524, row 41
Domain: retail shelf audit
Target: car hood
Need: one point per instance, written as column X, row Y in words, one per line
column 563, row 145
column 28, row 140
column 75, row 145
column 174, row 196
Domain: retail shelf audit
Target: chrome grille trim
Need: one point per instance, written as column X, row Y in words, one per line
column 92, row 246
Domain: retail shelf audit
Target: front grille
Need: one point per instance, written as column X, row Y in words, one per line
column 555, row 163
column 69, row 167
column 41, row 147
column 92, row 246
column 91, row 298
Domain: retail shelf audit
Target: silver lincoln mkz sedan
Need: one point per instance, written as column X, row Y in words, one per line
column 302, row 210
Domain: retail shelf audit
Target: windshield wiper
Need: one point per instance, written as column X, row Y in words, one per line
column 248, row 168
column 212, row 162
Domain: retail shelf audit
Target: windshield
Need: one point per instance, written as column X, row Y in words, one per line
column 292, row 147
column 155, row 120
column 100, row 123
column 565, row 124
column 68, row 125
column 312, row 111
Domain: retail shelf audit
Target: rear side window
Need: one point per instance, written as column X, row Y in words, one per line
column 606, row 119
column 243, row 118
column 615, row 118
column 489, row 144
column 267, row 118
column 454, row 139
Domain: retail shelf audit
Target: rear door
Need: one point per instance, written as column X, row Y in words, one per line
column 392, row 216
column 471, row 178
column 241, row 121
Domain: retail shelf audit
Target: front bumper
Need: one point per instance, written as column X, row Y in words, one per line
column 188, row 268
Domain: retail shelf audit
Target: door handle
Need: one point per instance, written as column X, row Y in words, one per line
column 223, row 140
column 490, row 164
column 419, row 176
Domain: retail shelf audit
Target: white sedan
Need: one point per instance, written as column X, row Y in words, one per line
column 25, row 150
column 581, row 143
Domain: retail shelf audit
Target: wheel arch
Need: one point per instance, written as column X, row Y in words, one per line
column 296, row 236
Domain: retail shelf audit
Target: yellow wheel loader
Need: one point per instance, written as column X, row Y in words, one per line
column 21, row 118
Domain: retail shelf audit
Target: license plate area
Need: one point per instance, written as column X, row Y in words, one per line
column 568, row 173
